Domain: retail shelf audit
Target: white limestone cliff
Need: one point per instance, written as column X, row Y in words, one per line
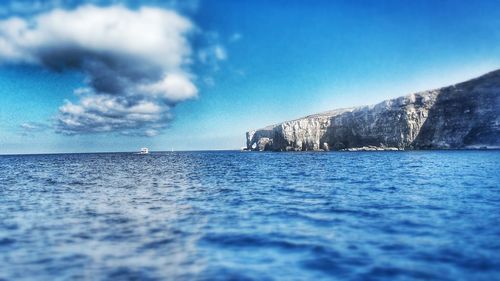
column 465, row 115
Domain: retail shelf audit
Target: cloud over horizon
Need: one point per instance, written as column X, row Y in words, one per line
column 136, row 63
column 30, row 128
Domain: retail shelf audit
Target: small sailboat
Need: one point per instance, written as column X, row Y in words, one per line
column 144, row 150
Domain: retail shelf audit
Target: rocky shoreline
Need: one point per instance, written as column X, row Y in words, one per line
column 378, row 148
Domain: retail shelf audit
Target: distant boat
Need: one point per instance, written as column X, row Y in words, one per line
column 144, row 150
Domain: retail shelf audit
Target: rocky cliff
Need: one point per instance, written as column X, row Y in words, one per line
column 460, row 116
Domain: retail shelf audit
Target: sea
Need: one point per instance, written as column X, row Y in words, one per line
column 230, row 215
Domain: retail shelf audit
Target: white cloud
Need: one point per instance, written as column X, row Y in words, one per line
column 136, row 63
column 30, row 128
column 211, row 55
column 235, row 37
column 220, row 52
column 175, row 87
column 104, row 113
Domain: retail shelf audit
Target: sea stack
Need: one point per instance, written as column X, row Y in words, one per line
column 461, row 116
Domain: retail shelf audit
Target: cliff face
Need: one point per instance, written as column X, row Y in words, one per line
column 465, row 115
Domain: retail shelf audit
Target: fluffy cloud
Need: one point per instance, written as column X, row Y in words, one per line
column 136, row 63
column 104, row 113
column 30, row 128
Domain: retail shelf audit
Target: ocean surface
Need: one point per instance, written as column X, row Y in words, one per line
column 422, row 215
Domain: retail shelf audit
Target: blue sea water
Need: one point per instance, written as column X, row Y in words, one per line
column 422, row 215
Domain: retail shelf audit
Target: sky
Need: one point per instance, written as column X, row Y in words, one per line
column 106, row 76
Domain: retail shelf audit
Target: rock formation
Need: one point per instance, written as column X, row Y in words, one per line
column 461, row 116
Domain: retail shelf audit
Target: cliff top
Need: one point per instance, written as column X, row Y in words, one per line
column 493, row 75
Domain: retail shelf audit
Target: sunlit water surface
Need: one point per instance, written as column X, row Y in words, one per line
column 251, row 216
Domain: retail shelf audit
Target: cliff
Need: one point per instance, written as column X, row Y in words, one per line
column 460, row 116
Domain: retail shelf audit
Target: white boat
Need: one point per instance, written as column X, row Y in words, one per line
column 144, row 150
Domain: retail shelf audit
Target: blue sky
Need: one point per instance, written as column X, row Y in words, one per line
column 251, row 64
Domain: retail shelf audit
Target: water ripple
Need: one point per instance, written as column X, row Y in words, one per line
column 431, row 215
